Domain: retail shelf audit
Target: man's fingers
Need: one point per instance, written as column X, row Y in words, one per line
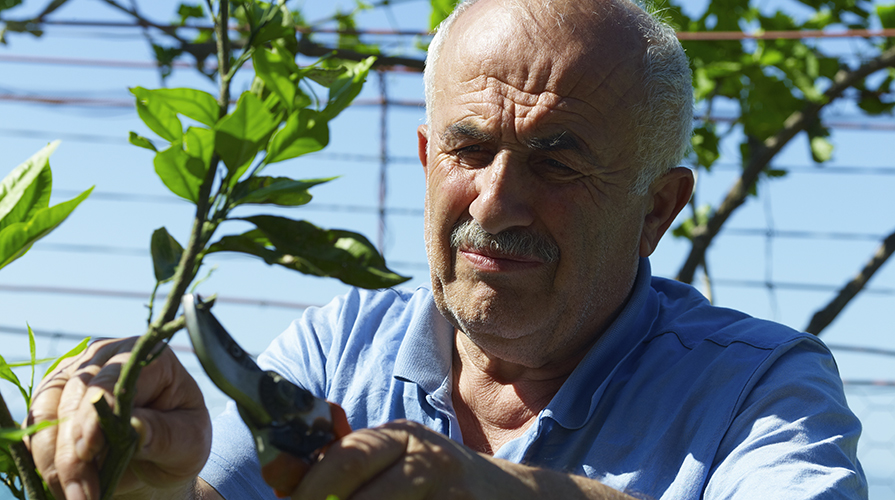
column 173, row 445
column 351, row 462
column 283, row 473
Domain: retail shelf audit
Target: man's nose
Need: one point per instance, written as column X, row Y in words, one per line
column 502, row 200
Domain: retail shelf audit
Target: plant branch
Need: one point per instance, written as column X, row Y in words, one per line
column 22, row 458
column 116, row 421
column 313, row 49
column 823, row 317
column 761, row 157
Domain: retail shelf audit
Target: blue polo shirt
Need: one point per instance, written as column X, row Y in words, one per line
column 677, row 400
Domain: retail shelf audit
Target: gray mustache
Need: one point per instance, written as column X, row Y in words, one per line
column 512, row 242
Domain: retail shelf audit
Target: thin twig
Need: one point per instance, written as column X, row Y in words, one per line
column 825, row 316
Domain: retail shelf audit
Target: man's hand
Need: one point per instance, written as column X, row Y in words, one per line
column 407, row 461
column 169, row 414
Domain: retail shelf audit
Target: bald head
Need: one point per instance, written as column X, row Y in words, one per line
column 635, row 61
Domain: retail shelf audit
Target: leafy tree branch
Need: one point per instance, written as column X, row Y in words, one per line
column 761, row 156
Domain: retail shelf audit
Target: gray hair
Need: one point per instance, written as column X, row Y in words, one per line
column 664, row 119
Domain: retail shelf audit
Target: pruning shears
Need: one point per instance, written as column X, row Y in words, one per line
column 282, row 416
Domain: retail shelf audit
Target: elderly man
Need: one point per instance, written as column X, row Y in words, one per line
column 545, row 362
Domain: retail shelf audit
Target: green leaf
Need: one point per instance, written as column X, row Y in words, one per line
column 281, row 191
column 821, row 149
column 140, row 141
column 186, row 11
column 301, row 246
column 8, row 4
column 886, row 15
column 323, row 76
column 166, row 253
column 196, row 104
column 7, row 374
column 705, row 143
column 164, row 57
column 158, row 116
column 27, row 188
column 17, row 238
column 701, row 217
column 276, row 24
column 276, row 69
column 33, row 350
column 303, row 133
column 440, row 10
column 239, row 135
column 78, row 349
column 16, row 434
column 198, row 142
column 347, row 86
column 181, row 173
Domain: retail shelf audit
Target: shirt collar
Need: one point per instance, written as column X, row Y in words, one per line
column 576, row 400
column 424, row 357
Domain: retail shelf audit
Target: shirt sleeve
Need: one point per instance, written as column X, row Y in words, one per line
column 794, row 436
column 299, row 354
column 232, row 468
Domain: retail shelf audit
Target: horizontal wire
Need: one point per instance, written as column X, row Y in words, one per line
column 809, row 235
column 785, row 285
column 125, row 294
column 39, row 332
column 682, row 35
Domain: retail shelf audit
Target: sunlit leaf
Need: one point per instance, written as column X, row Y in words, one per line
column 159, row 117
column 821, row 149
column 140, row 141
column 301, row 246
column 27, row 188
column 181, row 173
column 440, row 10
column 78, row 349
column 281, row 191
column 7, row 374
column 166, row 253
column 17, row 238
column 347, row 86
column 303, row 133
column 33, row 350
column 198, row 142
column 196, row 104
column 239, row 135
column 17, row 434
column 276, row 24
column 886, row 15
column 275, row 68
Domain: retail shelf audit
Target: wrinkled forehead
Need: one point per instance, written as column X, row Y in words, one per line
column 580, row 48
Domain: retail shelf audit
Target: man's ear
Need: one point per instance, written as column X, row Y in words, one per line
column 422, row 137
column 670, row 194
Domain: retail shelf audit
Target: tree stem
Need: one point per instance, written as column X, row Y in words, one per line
column 116, row 421
column 22, row 457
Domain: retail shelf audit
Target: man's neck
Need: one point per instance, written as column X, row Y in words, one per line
column 497, row 401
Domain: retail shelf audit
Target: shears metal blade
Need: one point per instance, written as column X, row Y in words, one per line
column 282, row 416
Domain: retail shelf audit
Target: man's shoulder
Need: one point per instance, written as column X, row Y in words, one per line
column 686, row 313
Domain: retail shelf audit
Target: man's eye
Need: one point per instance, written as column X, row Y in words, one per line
column 474, row 156
column 555, row 170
